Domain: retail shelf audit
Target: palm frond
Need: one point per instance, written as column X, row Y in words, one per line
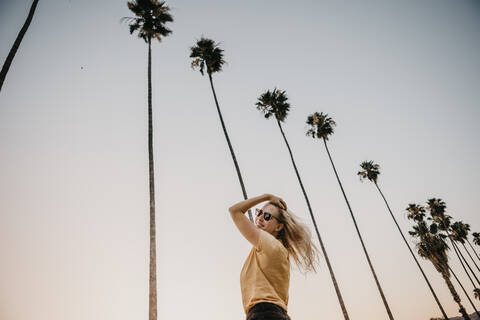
column 208, row 54
column 322, row 124
column 150, row 19
column 274, row 103
column 371, row 171
column 415, row 212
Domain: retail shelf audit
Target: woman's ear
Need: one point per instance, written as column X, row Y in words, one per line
column 279, row 227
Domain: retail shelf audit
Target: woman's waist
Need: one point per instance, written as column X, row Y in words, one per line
column 261, row 309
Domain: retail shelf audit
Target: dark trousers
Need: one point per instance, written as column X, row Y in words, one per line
column 267, row 311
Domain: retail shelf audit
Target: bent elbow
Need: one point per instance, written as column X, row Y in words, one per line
column 234, row 211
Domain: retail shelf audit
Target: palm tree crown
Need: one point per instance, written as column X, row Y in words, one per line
column 438, row 214
column 274, row 103
column 460, row 231
column 415, row 212
column 431, row 244
column 150, row 19
column 321, row 125
column 207, row 55
column 370, row 171
column 476, row 238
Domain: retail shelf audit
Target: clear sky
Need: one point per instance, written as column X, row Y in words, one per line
column 400, row 78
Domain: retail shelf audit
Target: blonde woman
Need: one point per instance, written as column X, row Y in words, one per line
column 276, row 236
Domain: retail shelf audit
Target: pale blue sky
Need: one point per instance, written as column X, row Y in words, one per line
column 401, row 79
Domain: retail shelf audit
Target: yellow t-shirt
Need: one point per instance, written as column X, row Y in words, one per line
column 265, row 276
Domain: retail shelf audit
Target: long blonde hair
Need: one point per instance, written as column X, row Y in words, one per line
column 297, row 239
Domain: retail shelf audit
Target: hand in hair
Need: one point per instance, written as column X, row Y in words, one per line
column 278, row 201
column 246, row 228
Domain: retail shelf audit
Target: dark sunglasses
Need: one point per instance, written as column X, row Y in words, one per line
column 266, row 215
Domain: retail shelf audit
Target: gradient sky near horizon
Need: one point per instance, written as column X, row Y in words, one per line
column 400, row 78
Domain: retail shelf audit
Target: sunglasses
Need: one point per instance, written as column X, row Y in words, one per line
column 266, row 215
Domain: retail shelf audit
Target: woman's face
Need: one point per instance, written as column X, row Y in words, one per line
column 272, row 226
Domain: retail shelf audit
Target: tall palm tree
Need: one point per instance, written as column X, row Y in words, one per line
column 456, row 235
column 275, row 104
column 459, row 232
column 476, row 240
column 431, row 246
column 149, row 22
column 456, row 232
column 16, row 44
column 455, row 248
column 321, row 127
column 437, row 209
column 465, row 291
column 371, row 171
column 207, row 55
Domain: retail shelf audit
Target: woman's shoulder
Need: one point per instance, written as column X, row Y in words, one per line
column 270, row 243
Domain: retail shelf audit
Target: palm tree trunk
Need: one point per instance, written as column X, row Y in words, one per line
column 360, row 236
column 152, row 308
column 473, row 260
column 455, row 296
column 473, row 249
column 324, row 251
column 464, row 291
column 461, row 257
column 413, row 255
column 463, row 266
column 237, row 168
column 16, row 44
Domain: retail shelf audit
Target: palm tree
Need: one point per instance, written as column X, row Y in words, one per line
column 208, row 56
column 476, row 240
column 371, row 171
column 275, row 104
column 438, row 214
column 459, row 232
column 16, row 44
column 465, row 291
column 321, row 127
column 465, row 227
column 149, row 22
column 431, row 246
column 476, row 294
column 463, row 288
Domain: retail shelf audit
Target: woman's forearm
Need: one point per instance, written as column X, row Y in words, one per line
column 243, row 206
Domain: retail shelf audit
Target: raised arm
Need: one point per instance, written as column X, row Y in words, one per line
column 246, row 228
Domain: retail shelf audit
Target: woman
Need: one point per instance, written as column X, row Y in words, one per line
column 276, row 236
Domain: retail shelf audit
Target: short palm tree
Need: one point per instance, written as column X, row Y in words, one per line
column 476, row 294
column 275, row 104
column 430, row 245
column 321, row 127
column 207, row 56
column 371, row 171
column 16, row 44
column 149, row 22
